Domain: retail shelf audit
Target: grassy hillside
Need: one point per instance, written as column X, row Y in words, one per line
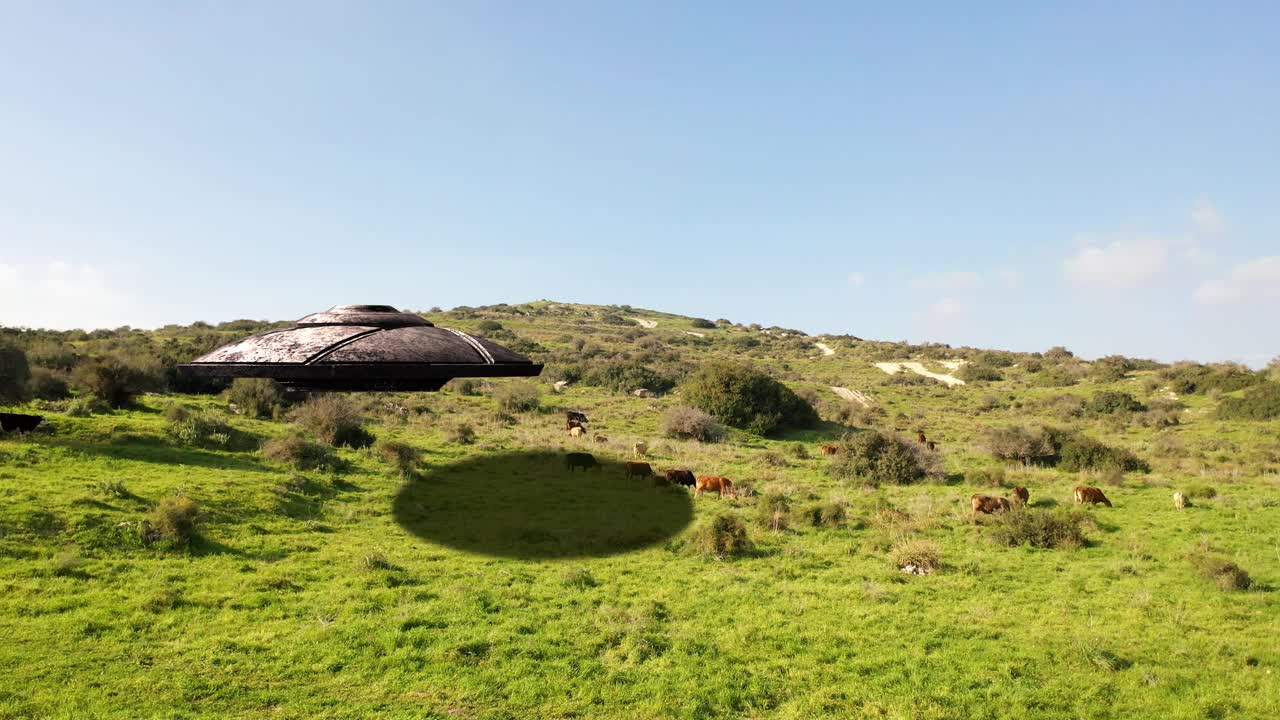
column 485, row 581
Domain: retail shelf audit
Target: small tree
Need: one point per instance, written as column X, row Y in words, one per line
column 1022, row 444
column 517, row 397
column 743, row 397
column 14, row 374
column 688, row 423
column 113, row 380
column 256, row 397
column 334, row 420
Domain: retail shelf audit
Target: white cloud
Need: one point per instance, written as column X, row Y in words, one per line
column 1009, row 278
column 1121, row 263
column 60, row 295
column 959, row 280
column 1254, row 280
column 1207, row 219
column 857, row 279
column 949, row 308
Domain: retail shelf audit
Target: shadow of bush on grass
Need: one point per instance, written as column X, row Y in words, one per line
column 529, row 506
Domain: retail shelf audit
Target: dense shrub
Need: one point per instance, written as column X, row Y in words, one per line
column 114, row 381
column 625, row 376
column 773, row 510
column 175, row 520
column 1057, row 354
column 460, row 433
column 402, row 457
column 489, row 326
column 300, row 453
column 465, row 386
column 1038, row 528
column 517, row 397
column 14, row 374
column 830, row 514
column 1259, row 403
column 1200, row 491
column 1078, row 452
column 201, row 429
column 1111, row 368
column 877, row 457
column 1228, row 576
column 721, row 536
column 52, row 355
column 46, row 384
column 1191, row 378
column 702, row 324
column 333, row 419
column 1111, row 402
column 743, row 397
column 1026, row 445
column 688, row 423
column 922, row 556
column 977, row 372
column 87, row 405
column 257, row 397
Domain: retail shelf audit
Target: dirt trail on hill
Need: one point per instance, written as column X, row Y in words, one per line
column 825, row 349
column 853, row 395
column 695, row 334
column 893, row 368
column 646, row 323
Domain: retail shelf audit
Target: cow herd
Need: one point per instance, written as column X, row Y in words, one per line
column 988, row 504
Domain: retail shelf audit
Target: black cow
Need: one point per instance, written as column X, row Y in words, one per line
column 14, row 422
column 681, row 477
column 573, row 419
column 586, row 461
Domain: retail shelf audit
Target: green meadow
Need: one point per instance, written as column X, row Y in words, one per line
column 485, row 580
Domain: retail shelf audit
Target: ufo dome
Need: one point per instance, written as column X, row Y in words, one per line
column 362, row 347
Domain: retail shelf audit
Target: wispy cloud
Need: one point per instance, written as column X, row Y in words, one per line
column 1207, row 220
column 1117, row 262
column 949, row 308
column 1254, row 280
column 63, row 295
column 857, row 279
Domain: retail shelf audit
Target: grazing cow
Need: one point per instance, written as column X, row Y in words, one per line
column 1020, row 496
column 931, row 445
column 714, row 483
column 1090, row 495
column 987, row 504
column 577, row 431
column 830, row 449
column 15, row 422
column 572, row 418
column 639, row 449
column 920, row 438
column 1180, row 501
column 586, row 461
column 640, row 469
column 681, row 477
column 600, row 439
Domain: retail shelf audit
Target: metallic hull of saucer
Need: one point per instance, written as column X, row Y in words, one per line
column 362, row 347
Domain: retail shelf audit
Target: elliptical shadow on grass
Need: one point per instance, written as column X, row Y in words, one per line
column 531, row 507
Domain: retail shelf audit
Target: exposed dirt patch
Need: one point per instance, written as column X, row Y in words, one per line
column 853, row 395
column 893, row 368
column 646, row 323
column 826, row 350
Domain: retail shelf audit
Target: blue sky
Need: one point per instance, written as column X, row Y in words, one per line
column 1100, row 175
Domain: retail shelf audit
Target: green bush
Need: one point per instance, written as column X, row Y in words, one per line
column 1026, row 445
column 201, row 429
column 460, row 433
column 923, row 555
column 625, row 376
column 46, row 384
column 721, row 537
column 1259, row 403
column 772, row 511
column 977, row 372
column 1038, row 528
column 517, row 397
column 830, row 514
column 1111, row 402
column 881, row 458
column 300, row 453
column 1200, row 491
column 14, row 374
column 464, row 386
column 743, row 397
column 117, row 383
column 1228, row 576
column 1077, row 452
column 333, row 419
column 257, row 397
column 688, row 423
column 702, row 324
column 1191, row 378
column 1112, row 368
column 87, row 405
column 404, row 458
column 175, row 520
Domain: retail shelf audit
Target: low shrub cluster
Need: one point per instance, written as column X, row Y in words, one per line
column 300, row 453
column 975, row 372
column 687, row 423
column 627, row 375
column 257, row 397
column 1066, row 449
column 1111, row 402
column 402, row 457
column 743, row 397
column 460, row 433
column 333, row 419
column 879, row 458
column 198, row 428
column 773, row 511
column 721, row 537
column 1038, row 528
column 517, row 397
column 1228, row 576
column 1259, row 403
column 922, row 557
column 175, row 520
column 1192, row 378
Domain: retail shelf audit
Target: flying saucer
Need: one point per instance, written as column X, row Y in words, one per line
column 362, row 347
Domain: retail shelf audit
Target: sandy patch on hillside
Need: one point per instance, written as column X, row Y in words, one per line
column 893, row 368
column 826, row 350
column 695, row 334
column 852, row 395
column 646, row 323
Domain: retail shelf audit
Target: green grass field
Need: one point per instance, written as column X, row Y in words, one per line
column 493, row 584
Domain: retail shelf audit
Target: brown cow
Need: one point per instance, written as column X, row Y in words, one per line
column 1090, row 495
column 586, row 461
column 601, row 439
column 639, row 449
column 577, row 431
column 714, row 483
column 830, row 449
column 988, row 504
column 641, row 469
column 1020, row 496
column 920, row 438
column 681, row 477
